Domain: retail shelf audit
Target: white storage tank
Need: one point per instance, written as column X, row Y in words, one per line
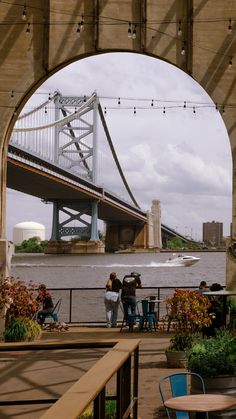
column 26, row 230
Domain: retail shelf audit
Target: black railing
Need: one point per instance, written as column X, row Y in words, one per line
column 86, row 305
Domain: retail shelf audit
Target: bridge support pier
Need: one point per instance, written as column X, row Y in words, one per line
column 63, row 228
column 136, row 237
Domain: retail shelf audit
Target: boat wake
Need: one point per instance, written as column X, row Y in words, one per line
column 113, row 265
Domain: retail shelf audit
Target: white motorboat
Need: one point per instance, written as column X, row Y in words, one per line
column 182, row 260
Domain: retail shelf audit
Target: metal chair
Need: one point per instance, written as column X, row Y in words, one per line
column 147, row 318
column 131, row 319
column 55, row 311
column 177, row 384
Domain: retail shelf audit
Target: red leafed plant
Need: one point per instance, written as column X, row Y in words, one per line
column 187, row 311
column 18, row 298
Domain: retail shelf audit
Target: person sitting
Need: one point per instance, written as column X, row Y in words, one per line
column 45, row 299
column 216, row 309
column 202, row 287
column 128, row 294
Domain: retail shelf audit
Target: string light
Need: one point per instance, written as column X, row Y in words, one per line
column 82, row 23
column 49, row 96
column 45, row 110
column 194, row 109
column 230, row 62
column 129, row 31
column 78, row 29
column 134, row 111
column 152, row 104
column 184, row 105
column 164, row 110
column 217, row 107
column 12, row 94
column 230, row 27
column 24, row 13
column 134, row 32
column 28, row 28
column 118, row 100
column 84, row 98
column 223, row 109
column 183, row 50
column 180, row 29
column 105, row 111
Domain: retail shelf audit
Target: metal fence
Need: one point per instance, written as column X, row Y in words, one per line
column 86, row 305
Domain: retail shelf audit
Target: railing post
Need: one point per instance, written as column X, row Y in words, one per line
column 135, row 383
column 70, row 308
column 99, row 411
column 123, row 390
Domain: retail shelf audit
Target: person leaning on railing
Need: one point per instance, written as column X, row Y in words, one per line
column 111, row 299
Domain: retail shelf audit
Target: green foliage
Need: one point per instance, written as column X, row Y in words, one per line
column 110, row 411
column 86, row 237
column 213, row 356
column 175, row 243
column 33, row 245
column 181, row 342
column 21, row 329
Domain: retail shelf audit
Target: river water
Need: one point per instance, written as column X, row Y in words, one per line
column 88, row 271
column 93, row 270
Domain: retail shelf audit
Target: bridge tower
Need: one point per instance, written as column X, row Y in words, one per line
column 77, row 154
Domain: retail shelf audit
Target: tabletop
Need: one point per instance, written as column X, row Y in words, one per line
column 201, row 402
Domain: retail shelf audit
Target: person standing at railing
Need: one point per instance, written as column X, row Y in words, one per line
column 128, row 294
column 111, row 299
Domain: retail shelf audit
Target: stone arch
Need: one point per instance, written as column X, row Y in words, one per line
column 47, row 40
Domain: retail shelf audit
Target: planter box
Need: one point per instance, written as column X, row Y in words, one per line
column 224, row 384
column 176, row 359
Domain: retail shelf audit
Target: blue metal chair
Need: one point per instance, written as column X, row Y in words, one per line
column 55, row 311
column 177, row 384
column 147, row 318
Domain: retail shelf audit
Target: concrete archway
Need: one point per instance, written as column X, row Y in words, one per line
column 198, row 36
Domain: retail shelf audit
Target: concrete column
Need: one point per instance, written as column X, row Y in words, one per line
column 156, row 214
column 94, row 222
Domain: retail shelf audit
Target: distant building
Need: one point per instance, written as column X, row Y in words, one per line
column 212, row 233
column 26, row 230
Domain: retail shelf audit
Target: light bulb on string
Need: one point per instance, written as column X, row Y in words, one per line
column 105, row 111
column 152, row 104
column 230, row 62
column 183, row 50
column 84, row 98
column 28, row 28
column 45, row 110
column 24, row 13
column 230, row 27
column 223, row 109
column 129, row 31
column 184, row 105
column 194, row 109
column 134, row 32
column 180, row 29
column 49, row 97
column 216, row 107
column 12, row 94
column 78, row 30
column 134, row 111
column 118, row 100
column 82, row 23
column 164, row 110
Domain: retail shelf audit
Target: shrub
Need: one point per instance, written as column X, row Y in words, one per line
column 213, row 356
column 22, row 329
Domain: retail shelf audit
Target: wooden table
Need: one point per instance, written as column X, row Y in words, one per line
column 201, row 403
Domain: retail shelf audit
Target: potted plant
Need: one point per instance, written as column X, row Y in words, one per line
column 214, row 359
column 18, row 301
column 187, row 314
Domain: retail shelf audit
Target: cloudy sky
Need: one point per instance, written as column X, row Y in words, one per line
column 180, row 157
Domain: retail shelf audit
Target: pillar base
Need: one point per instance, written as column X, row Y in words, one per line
column 71, row 247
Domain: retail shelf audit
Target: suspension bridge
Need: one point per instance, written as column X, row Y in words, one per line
column 61, row 151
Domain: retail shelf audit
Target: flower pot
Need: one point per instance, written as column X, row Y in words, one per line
column 176, row 359
column 223, row 384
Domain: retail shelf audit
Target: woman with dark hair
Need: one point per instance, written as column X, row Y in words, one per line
column 45, row 299
column 111, row 299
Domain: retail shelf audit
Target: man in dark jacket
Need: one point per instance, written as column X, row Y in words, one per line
column 128, row 294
